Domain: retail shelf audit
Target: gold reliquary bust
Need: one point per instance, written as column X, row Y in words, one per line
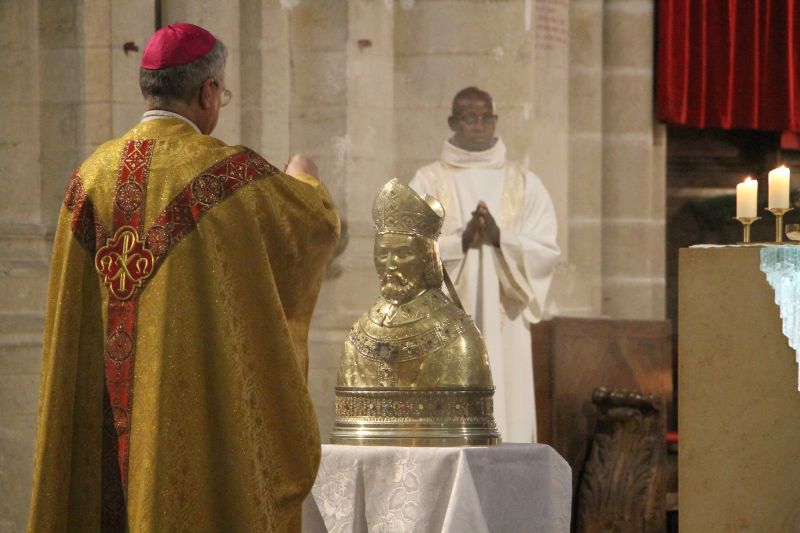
column 414, row 371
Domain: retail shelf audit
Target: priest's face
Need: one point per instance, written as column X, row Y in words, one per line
column 399, row 260
column 473, row 124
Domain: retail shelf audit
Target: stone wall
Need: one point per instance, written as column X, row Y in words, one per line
column 363, row 86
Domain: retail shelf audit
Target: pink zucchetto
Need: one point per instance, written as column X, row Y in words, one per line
column 176, row 44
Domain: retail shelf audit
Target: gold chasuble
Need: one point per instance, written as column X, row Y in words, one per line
column 173, row 392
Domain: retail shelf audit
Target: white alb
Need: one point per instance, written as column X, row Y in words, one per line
column 504, row 289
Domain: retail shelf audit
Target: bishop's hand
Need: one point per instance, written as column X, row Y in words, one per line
column 301, row 164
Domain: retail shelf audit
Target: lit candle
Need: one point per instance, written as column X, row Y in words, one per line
column 746, row 195
column 779, row 188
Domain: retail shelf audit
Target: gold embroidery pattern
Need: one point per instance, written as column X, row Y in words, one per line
column 205, row 191
column 513, row 195
column 119, row 345
column 89, row 233
column 124, row 262
column 101, row 235
column 130, row 194
column 75, row 195
column 208, row 189
column 158, row 240
column 129, row 197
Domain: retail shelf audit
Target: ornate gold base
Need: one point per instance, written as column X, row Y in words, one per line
column 414, row 417
column 371, row 435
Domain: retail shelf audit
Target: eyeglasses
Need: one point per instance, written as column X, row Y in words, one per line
column 226, row 98
column 226, row 95
column 471, row 119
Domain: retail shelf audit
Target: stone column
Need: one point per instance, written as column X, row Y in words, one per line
column 317, row 116
column 547, row 131
column 68, row 89
column 19, row 129
column 61, row 65
column 265, row 75
column 131, row 22
column 633, row 166
column 363, row 160
column 90, row 84
column 585, row 159
column 23, row 256
column 222, row 18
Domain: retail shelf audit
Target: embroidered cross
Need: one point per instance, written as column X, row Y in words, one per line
column 124, row 262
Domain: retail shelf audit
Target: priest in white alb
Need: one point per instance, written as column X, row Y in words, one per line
column 499, row 245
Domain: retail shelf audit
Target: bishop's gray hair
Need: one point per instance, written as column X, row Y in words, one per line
column 163, row 86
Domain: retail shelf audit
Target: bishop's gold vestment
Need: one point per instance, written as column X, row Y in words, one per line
column 183, row 279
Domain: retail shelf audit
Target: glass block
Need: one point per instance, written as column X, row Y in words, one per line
column 781, row 264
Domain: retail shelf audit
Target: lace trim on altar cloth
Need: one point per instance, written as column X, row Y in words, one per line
column 781, row 264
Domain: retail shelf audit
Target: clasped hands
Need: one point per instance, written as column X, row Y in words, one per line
column 481, row 228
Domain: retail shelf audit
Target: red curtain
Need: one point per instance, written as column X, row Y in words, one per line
column 729, row 63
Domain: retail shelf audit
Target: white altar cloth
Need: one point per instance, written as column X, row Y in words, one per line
column 382, row 489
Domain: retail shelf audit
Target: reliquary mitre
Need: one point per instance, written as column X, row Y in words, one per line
column 414, row 369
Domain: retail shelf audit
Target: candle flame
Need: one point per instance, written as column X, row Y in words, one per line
column 748, row 178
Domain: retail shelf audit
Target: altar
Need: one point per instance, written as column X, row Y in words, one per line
column 510, row 487
column 739, row 404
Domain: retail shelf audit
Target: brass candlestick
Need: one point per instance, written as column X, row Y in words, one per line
column 746, row 222
column 779, row 212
